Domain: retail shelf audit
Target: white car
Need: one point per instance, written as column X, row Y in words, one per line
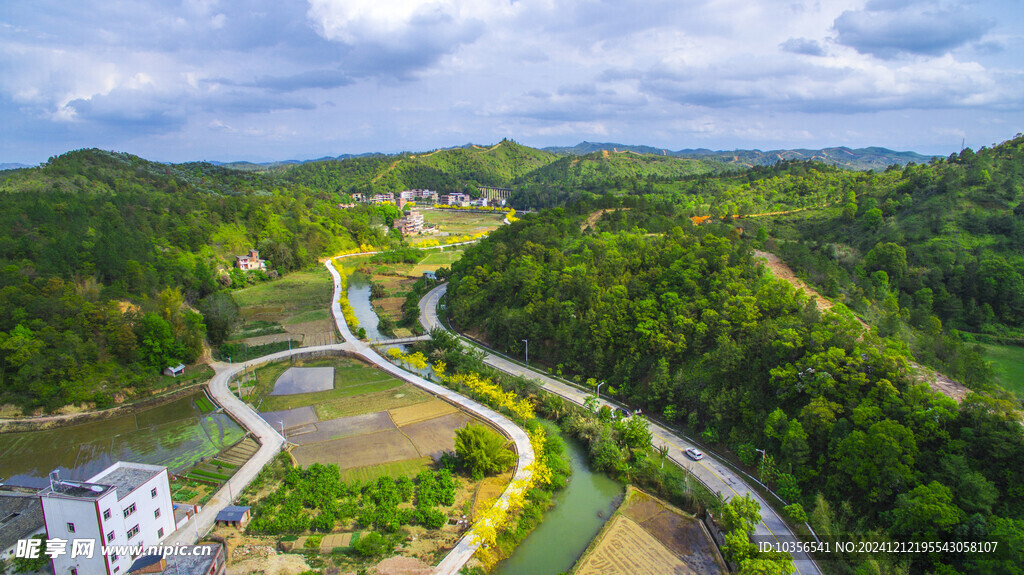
column 694, row 453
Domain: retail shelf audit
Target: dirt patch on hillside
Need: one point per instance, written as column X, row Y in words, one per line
column 938, row 382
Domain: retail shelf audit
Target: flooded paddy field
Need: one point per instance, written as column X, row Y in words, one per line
column 177, row 434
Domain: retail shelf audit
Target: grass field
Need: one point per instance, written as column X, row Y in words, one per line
column 457, row 222
column 421, row 411
column 351, row 378
column 370, row 402
column 1008, row 361
column 288, row 305
column 408, row 468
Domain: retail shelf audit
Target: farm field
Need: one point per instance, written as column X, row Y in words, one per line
column 351, row 377
column 367, row 419
column 1008, row 364
column 648, row 536
column 177, row 434
column 293, row 306
column 460, row 222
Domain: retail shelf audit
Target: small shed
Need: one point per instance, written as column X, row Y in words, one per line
column 174, row 370
column 430, row 276
column 234, row 515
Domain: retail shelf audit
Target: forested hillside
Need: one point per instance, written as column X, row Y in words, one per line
column 108, row 264
column 940, row 246
column 685, row 325
column 451, row 170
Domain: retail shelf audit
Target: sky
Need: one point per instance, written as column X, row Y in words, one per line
column 264, row 80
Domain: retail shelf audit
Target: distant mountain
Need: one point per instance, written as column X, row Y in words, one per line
column 267, row 166
column 873, row 158
column 13, row 166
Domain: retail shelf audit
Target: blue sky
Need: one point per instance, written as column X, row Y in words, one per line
column 297, row 79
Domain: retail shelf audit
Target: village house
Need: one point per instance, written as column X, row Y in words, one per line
column 125, row 504
column 250, row 262
column 197, row 561
column 410, row 224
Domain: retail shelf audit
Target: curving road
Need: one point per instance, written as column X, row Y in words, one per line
column 712, row 473
column 271, row 442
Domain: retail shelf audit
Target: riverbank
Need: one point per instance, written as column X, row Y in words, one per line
column 46, row 422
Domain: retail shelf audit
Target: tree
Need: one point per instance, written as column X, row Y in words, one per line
column 926, row 513
column 482, row 451
column 220, row 314
column 888, row 257
column 157, row 347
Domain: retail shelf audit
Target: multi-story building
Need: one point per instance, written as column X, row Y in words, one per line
column 411, row 223
column 126, row 504
column 418, row 195
column 250, row 262
column 454, row 199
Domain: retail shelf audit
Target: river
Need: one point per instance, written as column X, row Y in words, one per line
column 580, row 511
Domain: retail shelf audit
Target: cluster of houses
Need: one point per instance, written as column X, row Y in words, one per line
column 423, row 196
column 126, row 507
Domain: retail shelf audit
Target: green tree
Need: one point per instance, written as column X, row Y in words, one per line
column 482, row 451
column 926, row 513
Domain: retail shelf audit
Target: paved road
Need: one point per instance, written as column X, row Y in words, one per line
column 712, row 473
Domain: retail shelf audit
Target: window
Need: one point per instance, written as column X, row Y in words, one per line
column 110, row 537
column 113, row 558
column 106, row 514
column 152, row 492
column 133, row 532
column 74, row 571
column 160, row 532
column 116, row 569
column 71, row 527
column 129, row 510
column 156, row 513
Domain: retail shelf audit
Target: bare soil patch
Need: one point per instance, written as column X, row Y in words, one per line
column 403, row 566
column 627, row 549
column 437, row 435
column 292, row 418
column 647, row 535
column 346, row 427
column 421, row 412
column 358, row 451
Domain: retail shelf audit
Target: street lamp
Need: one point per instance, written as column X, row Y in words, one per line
column 762, row 463
column 599, row 389
column 282, row 430
column 527, row 342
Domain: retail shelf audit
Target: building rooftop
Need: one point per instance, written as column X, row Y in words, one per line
column 20, row 516
column 232, row 513
column 187, row 564
column 127, row 477
column 77, row 489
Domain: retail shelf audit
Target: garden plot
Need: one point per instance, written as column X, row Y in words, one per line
column 291, row 418
column 358, row 451
column 437, row 435
column 296, row 380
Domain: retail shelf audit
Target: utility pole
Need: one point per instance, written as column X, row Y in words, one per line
column 762, row 463
column 527, row 342
column 599, row 389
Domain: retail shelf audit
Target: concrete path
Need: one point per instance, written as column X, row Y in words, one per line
column 271, row 441
column 465, row 548
column 712, row 473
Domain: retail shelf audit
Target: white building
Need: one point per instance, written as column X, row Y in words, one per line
column 125, row 504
